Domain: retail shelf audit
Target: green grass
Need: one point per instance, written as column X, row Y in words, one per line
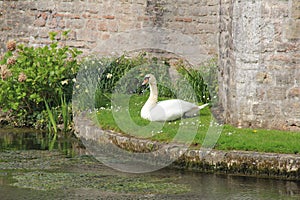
column 231, row 138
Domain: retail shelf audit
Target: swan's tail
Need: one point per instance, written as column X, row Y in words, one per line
column 203, row 106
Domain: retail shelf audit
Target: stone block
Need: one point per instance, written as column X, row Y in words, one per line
column 296, row 9
column 75, row 24
column 293, row 29
column 264, row 78
column 291, row 109
column 112, row 26
column 52, row 23
column 44, row 32
column 61, row 24
column 294, row 93
column 285, row 78
column 207, row 28
column 43, row 15
column 105, row 36
column 93, row 8
column 276, row 93
column 86, row 35
column 213, row 2
column 65, row 7
column 265, row 109
column 91, row 24
column 191, row 28
column 102, row 26
column 40, row 22
column 183, row 19
column 108, row 17
column 261, row 93
column 44, row 5
column 208, row 20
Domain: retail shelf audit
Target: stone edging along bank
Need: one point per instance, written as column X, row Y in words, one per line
column 245, row 163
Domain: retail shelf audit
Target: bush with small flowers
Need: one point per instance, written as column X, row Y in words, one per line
column 31, row 75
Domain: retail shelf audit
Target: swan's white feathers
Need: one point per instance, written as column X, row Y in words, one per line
column 170, row 110
column 167, row 110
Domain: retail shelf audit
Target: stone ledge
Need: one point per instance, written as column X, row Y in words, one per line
column 244, row 163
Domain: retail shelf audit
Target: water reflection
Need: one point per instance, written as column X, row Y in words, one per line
column 28, row 139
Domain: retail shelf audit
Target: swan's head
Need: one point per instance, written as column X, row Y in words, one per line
column 149, row 78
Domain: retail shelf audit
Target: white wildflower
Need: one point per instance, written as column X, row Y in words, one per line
column 65, row 82
column 109, row 75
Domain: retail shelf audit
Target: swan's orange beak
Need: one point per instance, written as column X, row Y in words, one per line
column 146, row 80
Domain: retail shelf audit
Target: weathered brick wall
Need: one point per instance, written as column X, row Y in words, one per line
column 94, row 21
column 260, row 63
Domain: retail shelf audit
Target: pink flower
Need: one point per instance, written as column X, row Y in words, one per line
column 11, row 61
column 5, row 72
column 11, row 45
column 22, row 77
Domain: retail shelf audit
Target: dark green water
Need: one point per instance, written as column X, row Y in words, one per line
column 28, row 170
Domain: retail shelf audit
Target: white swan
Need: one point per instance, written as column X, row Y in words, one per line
column 167, row 110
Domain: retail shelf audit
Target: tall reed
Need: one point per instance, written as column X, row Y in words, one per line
column 52, row 125
column 65, row 113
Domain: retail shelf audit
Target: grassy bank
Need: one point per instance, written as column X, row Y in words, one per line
column 231, row 138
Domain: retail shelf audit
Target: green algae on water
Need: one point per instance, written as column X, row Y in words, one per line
column 40, row 180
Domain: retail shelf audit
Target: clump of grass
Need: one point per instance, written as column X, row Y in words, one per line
column 261, row 140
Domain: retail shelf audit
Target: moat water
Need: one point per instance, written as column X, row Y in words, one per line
column 29, row 170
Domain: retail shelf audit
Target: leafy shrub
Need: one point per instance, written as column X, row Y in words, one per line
column 126, row 74
column 123, row 73
column 31, row 75
column 116, row 68
column 203, row 80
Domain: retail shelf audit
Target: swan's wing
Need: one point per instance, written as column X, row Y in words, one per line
column 165, row 113
column 172, row 109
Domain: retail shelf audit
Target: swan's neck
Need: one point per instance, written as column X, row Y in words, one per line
column 151, row 102
column 153, row 93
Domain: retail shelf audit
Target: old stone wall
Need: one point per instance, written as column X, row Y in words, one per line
column 260, row 63
column 257, row 43
column 92, row 22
